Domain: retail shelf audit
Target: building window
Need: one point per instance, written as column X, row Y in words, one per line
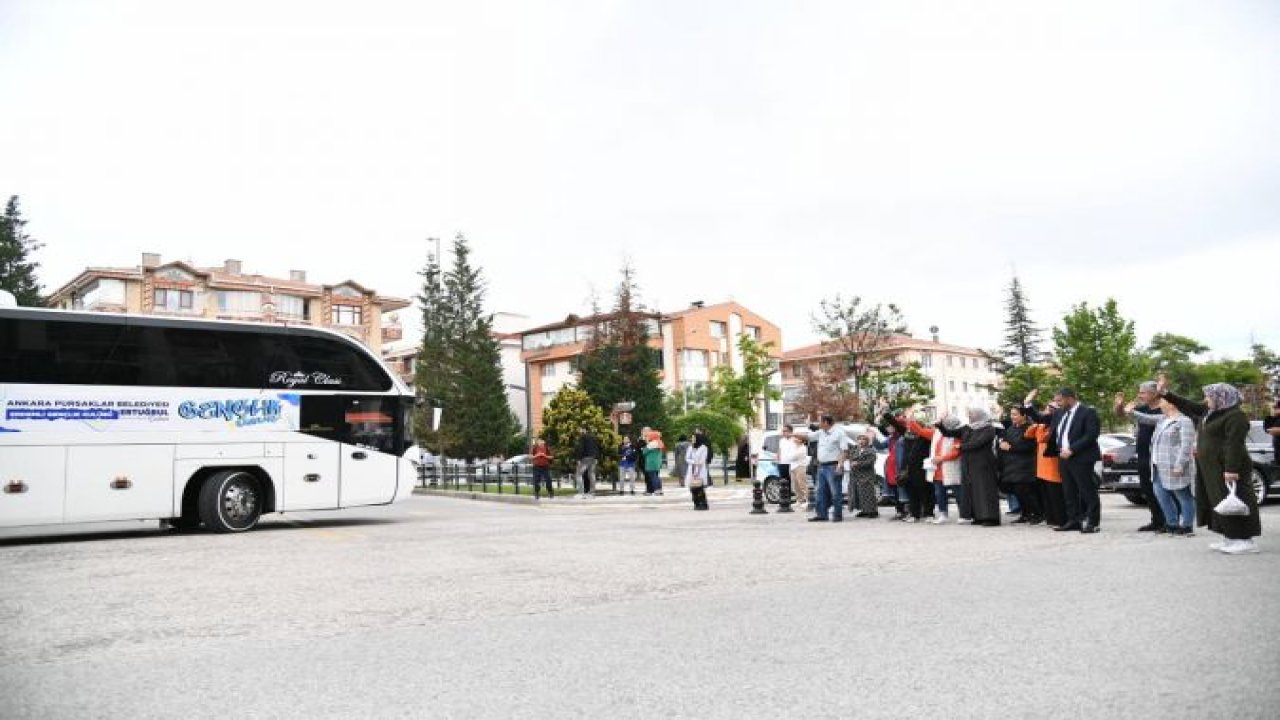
column 754, row 332
column 548, row 370
column 173, row 300
column 951, row 359
column 718, row 329
column 796, row 370
column 693, row 358
column 346, row 315
column 235, row 301
column 966, row 386
column 290, row 306
column 926, row 360
column 951, row 385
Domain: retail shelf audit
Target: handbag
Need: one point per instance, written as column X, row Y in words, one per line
column 1231, row 505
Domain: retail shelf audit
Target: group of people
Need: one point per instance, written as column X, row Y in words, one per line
column 1191, row 457
column 644, row 456
column 1191, row 454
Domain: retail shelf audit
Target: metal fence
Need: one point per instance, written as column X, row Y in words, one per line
column 517, row 480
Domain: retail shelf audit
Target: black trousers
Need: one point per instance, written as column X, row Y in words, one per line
column 542, row 475
column 1149, row 491
column 917, row 490
column 1081, row 492
column 1029, row 498
column 1054, row 504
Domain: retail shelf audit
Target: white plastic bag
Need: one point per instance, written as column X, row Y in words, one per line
column 1231, row 505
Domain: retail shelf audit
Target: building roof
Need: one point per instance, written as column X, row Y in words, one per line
column 575, row 321
column 219, row 277
column 899, row 342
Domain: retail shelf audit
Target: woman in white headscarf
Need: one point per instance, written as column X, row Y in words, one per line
column 1222, row 462
column 978, row 473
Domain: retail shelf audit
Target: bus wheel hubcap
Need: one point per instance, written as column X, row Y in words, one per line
column 239, row 501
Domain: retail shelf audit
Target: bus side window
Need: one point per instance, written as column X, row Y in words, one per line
column 371, row 421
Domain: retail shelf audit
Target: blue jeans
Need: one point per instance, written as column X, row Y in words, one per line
column 940, row 495
column 1171, row 501
column 830, row 494
column 1014, row 505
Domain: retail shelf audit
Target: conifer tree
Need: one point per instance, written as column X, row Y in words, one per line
column 17, row 268
column 618, row 365
column 460, row 363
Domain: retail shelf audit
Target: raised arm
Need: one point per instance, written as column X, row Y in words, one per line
column 1186, row 407
column 918, row 429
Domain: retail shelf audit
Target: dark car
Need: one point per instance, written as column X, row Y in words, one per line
column 1120, row 468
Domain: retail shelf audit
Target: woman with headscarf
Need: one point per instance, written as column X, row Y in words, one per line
column 862, row 476
column 945, row 459
column 696, row 474
column 1222, row 461
column 978, row 471
column 916, row 442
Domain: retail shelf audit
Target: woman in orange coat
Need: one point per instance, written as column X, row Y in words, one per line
column 1048, row 477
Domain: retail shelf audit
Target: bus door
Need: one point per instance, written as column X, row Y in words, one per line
column 369, row 459
column 363, row 428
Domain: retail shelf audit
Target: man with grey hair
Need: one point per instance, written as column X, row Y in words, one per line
column 1148, row 402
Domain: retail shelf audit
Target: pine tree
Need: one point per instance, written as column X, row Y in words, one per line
column 1020, row 361
column 432, row 376
column 459, row 363
column 17, row 269
column 618, row 365
column 1022, row 337
column 478, row 421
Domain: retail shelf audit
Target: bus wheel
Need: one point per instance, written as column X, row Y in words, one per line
column 230, row 501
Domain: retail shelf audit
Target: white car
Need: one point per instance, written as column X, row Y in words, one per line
column 767, row 460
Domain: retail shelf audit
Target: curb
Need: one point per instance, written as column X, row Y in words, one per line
column 481, row 496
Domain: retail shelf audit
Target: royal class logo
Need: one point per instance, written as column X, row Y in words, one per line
column 241, row 412
column 294, row 378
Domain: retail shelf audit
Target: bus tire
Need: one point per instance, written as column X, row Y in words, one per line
column 230, row 501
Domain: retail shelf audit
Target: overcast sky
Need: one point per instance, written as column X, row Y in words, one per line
column 774, row 153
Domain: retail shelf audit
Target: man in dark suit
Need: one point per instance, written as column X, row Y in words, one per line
column 1074, row 438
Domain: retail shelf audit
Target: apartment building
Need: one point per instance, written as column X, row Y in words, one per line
column 227, row 292
column 688, row 345
column 961, row 376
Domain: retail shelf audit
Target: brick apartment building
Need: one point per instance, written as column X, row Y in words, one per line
column 226, row 292
column 961, row 376
column 690, row 344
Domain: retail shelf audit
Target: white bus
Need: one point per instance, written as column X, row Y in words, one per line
column 196, row 422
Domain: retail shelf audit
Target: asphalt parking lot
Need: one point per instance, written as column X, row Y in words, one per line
column 442, row 608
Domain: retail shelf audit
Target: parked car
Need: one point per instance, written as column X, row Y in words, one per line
column 1120, row 472
column 1266, row 476
column 767, row 461
column 1120, row 467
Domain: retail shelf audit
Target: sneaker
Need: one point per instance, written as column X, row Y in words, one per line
column 1240, row 547
column 941, row 520
column 965, row 521
column 1186, row 532
column 908, row 519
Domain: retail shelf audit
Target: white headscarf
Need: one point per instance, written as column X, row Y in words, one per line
column 979, row 417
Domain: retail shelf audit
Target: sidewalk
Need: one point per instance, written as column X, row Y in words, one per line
column 607, row 498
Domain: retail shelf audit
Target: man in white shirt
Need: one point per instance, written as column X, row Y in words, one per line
column 833, row 450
